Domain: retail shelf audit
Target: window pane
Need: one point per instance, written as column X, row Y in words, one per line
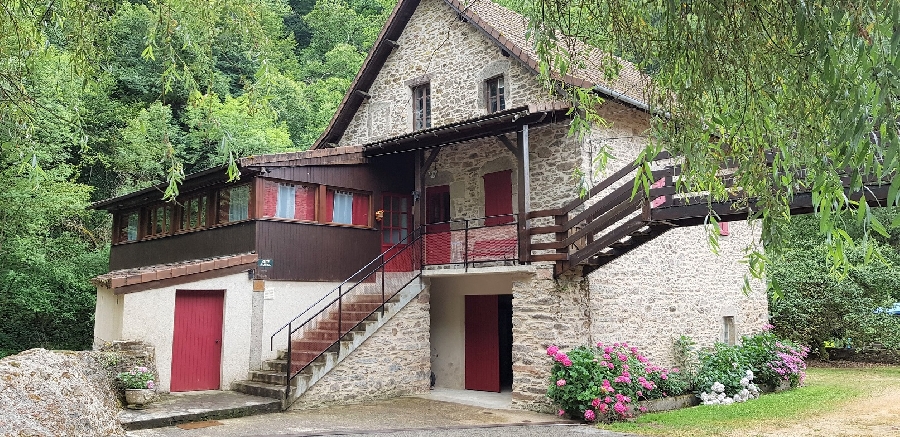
column 403, row 221
column 343, row 207
column 239, row 203
column 285, row 205
column 131, row 229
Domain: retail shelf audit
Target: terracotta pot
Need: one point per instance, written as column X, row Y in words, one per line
column 139, row 396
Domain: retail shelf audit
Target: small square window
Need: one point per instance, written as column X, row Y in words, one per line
column 421, row 107
column 496, row 96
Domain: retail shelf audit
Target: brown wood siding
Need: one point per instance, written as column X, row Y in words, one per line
column 389, row 173
column 309, row 252
column 225, row 240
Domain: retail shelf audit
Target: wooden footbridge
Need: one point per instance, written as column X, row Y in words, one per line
column 609, row 222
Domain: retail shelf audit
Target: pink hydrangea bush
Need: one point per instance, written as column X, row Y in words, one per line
column 607, row 382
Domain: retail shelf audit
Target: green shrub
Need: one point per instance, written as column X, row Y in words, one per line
column 729, row 374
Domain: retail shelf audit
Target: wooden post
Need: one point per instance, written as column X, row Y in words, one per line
column 419, row 210
column 524, row 194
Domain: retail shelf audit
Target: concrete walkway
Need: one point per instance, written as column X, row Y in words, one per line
column 406, row 414
column 179, row 408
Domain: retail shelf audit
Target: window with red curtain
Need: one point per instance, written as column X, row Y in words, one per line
column 345, row 207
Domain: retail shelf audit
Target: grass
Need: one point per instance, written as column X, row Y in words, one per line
column 826, row 390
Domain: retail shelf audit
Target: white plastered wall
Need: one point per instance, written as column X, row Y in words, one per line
column 448, row 329
column 149, row 316
column 289, row 299
column 107, row 317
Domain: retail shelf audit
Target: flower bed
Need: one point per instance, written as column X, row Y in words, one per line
column 729, row 374
column 603, row 383
column 613, row 382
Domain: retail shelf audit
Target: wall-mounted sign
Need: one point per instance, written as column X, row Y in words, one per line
column 264, row 263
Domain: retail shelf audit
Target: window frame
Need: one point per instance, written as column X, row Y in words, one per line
column 421, row 97
column 122, row 224
column 219, row 220
column 329, row 200
column 203, row 199
column 500, row 98
column 151, row 217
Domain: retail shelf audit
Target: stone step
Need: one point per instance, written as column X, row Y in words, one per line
column 175, row 409
column 255, row 388
column 268, row 377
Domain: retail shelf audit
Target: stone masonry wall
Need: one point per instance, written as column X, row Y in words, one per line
column 675, row 285
column 456, row 59
column 545, row 312
column 395, row 361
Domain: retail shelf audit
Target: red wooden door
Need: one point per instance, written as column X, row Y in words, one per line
column 437, row 236
column 498, row 197
column 197, row 340
column 395, row 224
column 482, row 343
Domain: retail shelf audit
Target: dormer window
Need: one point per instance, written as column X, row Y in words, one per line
column 495, row 94
column 421, row 106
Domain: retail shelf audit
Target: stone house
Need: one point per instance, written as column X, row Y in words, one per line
column 443, row 189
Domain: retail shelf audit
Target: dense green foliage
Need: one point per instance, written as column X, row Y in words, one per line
column 99, row 98
column 817, row 83
column 816, row 305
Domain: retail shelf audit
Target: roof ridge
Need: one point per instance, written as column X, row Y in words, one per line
column 489, row 18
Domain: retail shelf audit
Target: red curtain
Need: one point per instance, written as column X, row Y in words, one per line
column 360, row 209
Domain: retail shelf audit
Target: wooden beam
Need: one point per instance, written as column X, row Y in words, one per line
column 509, row 145
column 524, row 192
column 419, row 210
column 430, row 160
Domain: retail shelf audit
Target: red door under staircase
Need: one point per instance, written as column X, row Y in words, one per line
column 437, row 236
column 482, row 343
column 197, row 340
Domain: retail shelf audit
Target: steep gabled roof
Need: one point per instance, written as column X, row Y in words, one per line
column 507, row 30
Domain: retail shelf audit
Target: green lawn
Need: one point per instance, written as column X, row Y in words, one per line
column 825, row 390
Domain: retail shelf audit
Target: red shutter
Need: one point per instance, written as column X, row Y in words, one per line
column 305, row 203
column 360, row 209
column 498, row 197
column 329, row 206
column 270, row 190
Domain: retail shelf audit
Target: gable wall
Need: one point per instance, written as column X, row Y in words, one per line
column 455, row 58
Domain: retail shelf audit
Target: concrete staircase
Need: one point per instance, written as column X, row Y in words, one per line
column 316, row 346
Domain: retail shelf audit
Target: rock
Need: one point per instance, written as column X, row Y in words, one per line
column 56, row 393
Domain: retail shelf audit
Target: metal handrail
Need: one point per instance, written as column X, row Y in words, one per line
column 407, row 243
column 369, row 264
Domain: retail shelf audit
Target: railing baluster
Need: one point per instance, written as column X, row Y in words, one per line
column 383, row 303
column 466, row 246
column 287, row 389
column 340, row 311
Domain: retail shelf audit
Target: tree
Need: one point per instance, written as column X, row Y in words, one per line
column 814, row 82
column 818, row 306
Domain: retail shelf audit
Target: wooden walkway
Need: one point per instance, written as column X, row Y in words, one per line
column 608, row 222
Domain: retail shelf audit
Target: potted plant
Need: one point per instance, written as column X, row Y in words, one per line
column 139, row 384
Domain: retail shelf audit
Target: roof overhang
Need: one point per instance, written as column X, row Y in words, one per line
column 205, row 178
column 490, row 125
